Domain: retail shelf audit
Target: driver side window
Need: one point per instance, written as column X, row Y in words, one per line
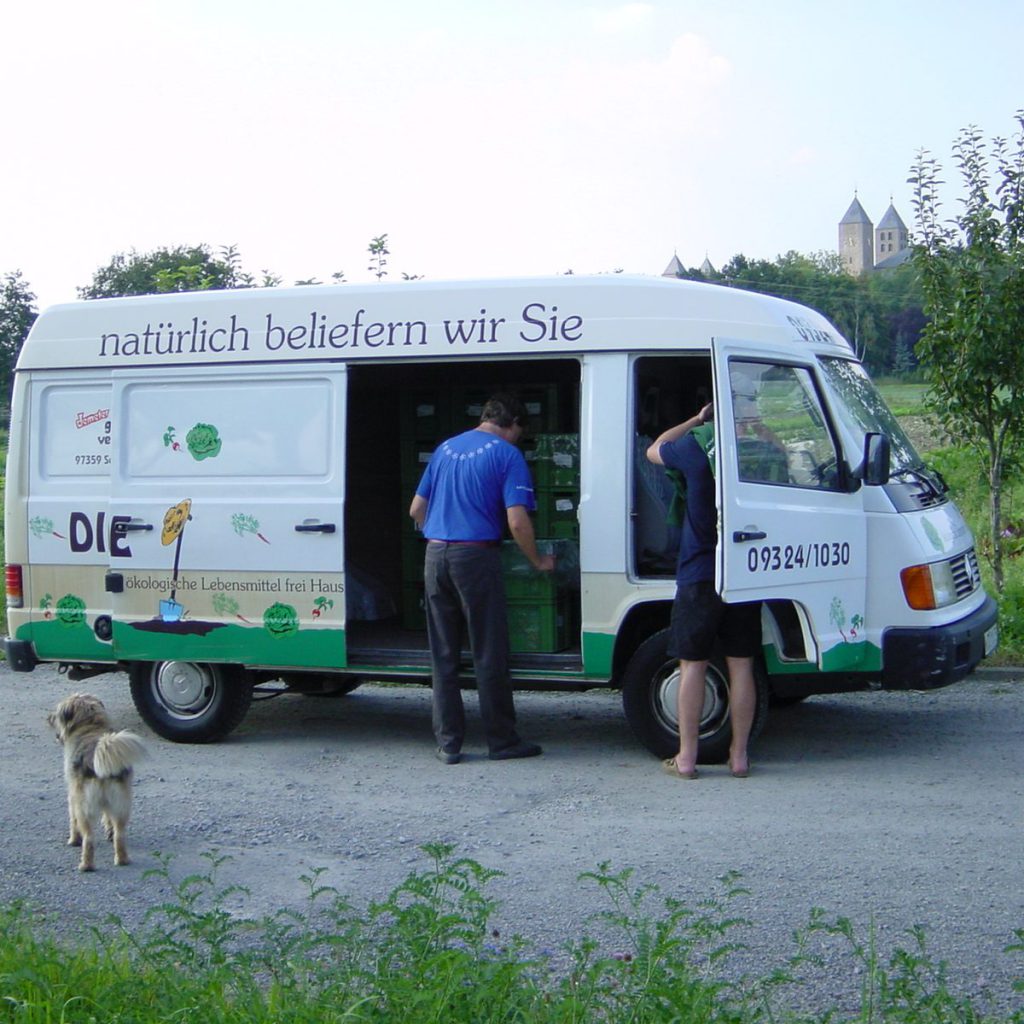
column 781, row 432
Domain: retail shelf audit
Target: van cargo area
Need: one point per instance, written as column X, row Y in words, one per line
column 397, row 415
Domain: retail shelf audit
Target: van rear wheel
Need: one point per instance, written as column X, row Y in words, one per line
column 190, row 702
column 650, row 686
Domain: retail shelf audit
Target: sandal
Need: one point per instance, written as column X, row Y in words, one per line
column 669, row 765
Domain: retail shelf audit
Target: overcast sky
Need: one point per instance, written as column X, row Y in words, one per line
column 487, row 139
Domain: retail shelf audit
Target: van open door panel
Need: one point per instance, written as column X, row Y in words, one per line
column 793, row 524
column 228, row 497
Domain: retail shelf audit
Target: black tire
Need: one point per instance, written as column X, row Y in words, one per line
column 190, row 702
column 788, row 702
column 649, row 687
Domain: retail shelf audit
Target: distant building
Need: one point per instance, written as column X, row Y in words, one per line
column 676, row 269
column 864, row 248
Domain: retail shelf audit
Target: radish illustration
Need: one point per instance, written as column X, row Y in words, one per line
column 40, row 526
column 243, row 524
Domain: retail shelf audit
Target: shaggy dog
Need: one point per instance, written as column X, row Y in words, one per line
column 98, row 770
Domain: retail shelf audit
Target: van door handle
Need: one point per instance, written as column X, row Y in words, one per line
column 133, row 527
column 315, row 528
column 740, row 536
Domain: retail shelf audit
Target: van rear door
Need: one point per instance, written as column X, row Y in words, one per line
column 793, row 525
column 228, row 494
column 69, row 430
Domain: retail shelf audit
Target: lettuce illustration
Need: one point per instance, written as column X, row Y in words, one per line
column 70, row 610
column 281, row 620
column 203, row 441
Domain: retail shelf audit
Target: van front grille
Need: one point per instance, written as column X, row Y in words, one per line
column 966, row 576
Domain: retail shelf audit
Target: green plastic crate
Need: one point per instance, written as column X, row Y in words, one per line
column 555, row 461
column 539, row 627
column 425, row 415
column 557, row 512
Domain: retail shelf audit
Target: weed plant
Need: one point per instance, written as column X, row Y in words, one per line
column 429, row 952
column 964, row 473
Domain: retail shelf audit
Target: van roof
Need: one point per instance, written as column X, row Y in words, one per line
column 417, row 319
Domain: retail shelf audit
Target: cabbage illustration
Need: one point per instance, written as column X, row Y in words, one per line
column 70, row 610
column 203, row 441
column 281, row 620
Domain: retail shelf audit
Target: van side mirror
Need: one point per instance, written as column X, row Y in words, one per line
column 877, row 453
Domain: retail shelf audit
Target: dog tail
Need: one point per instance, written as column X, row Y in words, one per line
column 116, row 752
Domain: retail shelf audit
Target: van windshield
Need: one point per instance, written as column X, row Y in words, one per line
column 863, row 410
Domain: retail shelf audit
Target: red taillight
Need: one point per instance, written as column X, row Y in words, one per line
column 12, row 578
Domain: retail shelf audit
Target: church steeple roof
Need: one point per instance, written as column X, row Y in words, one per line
column 856, row 214
column 891, row 221
column 674, row 268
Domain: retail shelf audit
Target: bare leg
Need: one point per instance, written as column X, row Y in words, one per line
column 742, row 702
column 690, row 705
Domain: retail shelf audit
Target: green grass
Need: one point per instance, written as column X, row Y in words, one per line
column 430, row 952
column 904, row 398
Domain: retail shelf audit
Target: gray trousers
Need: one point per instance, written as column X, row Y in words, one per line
column 465, row 597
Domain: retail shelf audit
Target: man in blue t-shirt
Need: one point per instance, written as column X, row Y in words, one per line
column 699, row 616
column 475, row 484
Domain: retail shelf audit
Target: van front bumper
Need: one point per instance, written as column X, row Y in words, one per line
column 922, row 659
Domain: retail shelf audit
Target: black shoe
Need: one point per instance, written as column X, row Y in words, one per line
column 447, row 757
column 520, row 749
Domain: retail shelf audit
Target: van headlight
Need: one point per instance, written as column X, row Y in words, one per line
column 927, row 587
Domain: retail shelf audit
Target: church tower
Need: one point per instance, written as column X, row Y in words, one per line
column 856, row 239
column 891, row 237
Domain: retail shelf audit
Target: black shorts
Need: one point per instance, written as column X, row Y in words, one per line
column 702, row 623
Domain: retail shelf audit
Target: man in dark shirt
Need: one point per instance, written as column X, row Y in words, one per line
column 699, row 616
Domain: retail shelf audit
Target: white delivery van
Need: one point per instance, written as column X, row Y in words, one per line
column 209, row 492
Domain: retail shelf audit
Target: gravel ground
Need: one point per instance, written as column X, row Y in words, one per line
column 893, row 809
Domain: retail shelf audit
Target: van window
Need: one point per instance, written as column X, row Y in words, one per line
column 782, row 436
column 244, row 429
column 77, row 441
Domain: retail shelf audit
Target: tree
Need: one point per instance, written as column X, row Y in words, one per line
column 17, row 314
column 379, row 253
column 880, row 314
column 183, row 268
column 972, row 279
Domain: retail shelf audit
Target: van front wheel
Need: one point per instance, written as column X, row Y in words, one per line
column 650, row 688
column 190, row 702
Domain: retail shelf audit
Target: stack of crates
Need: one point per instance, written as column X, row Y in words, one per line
column 540, row 615
column 548, row 624
column 424, row 420
column 555, row 460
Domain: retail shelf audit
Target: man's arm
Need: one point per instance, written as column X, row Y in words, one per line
column 521, row 525
column 679, row 430
column 418, row 511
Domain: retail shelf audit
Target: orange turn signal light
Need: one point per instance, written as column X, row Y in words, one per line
column 917, row 587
